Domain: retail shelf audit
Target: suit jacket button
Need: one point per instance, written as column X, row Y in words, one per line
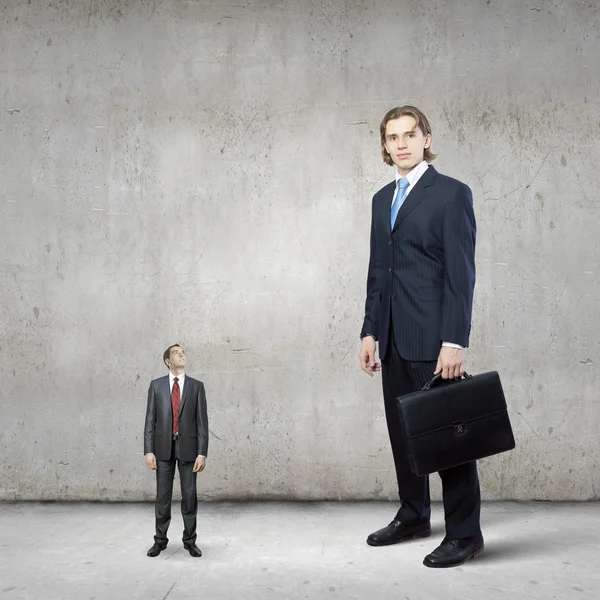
column 390, row 269
column 394, row 297
column 390, row 243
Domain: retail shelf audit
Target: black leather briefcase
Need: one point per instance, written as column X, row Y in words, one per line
column 454, row 421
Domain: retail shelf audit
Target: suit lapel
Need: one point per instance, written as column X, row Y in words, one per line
column 416, row 195
column 164, row 395
column 386, row 206
column 163, row 388
column 186, row 389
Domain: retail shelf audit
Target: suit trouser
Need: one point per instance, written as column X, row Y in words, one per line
column 460, row 484
column 164, row 492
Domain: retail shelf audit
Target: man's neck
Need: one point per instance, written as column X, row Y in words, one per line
column 177, row 372
column 404, row 173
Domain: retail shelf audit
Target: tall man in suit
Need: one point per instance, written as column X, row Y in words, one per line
column 418, row 308
column 176, row 431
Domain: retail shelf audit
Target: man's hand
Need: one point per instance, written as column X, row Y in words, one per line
column 450, row 362
column 199, row 464
column 151, row 461
column 367, row 356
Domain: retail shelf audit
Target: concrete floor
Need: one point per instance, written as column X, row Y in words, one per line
column 291, row 550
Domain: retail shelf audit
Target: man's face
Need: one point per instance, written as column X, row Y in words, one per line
column 176, row 358
column 405, row 143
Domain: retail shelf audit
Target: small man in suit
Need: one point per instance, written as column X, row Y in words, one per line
column 176, row 432
column 420, row 286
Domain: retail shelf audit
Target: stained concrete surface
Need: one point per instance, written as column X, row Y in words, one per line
column 64, row 551
column 202, row 172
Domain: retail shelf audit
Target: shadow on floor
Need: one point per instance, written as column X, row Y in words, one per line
column 524, row 548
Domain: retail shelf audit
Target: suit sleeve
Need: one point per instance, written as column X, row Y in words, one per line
column 202, row 422
column 150, row 421
column 459, row 231
column 373, row 301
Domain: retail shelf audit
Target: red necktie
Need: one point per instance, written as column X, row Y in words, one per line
column 175, row 403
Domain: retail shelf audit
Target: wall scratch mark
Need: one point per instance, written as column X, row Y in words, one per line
column 528, row 423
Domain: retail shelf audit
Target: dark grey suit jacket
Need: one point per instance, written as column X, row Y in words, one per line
column 193, row 420
column 422, row 272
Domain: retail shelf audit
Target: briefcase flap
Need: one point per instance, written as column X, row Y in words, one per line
column 452, row 403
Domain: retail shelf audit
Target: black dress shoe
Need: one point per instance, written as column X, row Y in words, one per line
column 397, row 531
column 155, row 550
column 452, row 553
column 193, row 550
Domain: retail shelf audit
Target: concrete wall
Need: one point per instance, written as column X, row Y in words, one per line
column 201, row 172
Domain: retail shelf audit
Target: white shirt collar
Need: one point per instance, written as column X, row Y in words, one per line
column 415, row 174
column 180, row 378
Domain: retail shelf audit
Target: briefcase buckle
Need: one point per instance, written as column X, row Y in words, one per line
column 459, row 427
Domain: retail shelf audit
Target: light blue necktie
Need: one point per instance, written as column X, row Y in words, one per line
column 398, row 200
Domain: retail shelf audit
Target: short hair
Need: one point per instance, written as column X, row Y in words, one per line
column 167, row 353
column 422, row 124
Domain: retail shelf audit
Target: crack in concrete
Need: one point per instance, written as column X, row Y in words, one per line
column 165, row 597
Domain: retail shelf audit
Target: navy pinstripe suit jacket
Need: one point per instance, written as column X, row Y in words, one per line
column 422, row 273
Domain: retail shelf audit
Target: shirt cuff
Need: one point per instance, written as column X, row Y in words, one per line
column 452, row 345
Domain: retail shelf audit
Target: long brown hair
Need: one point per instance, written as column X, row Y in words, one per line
column 422, row 124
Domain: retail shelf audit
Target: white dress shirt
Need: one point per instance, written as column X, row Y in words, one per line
column 413, row 177
column 181, row 381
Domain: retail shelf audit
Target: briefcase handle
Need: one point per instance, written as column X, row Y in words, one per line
column 437, row 378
